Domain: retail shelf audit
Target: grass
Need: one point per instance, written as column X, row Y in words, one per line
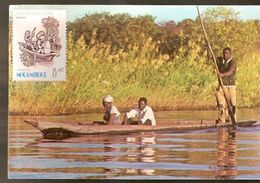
column 92, row 72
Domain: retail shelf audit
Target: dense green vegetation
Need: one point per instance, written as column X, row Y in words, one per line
column 129, row 57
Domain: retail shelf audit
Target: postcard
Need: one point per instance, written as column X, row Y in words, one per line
column 134, row 92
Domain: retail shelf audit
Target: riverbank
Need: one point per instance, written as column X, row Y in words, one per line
column 99, row 112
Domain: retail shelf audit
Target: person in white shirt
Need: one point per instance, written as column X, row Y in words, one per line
column 143, row 112
column 112, row 115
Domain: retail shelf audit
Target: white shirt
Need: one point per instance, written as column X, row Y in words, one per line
column 146, row 113
column 114, row 111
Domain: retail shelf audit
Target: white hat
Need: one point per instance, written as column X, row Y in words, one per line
column 108, row 98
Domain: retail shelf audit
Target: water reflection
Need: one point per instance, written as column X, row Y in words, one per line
column 143, row 154
column 136, row 147
column 227, row 153
column 160, row 155
column 147, row 154
column 108, row 157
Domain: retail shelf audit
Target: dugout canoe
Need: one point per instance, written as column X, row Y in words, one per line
column 38, row 57
column 56, row 130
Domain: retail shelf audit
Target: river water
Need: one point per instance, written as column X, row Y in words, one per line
column 222, row 153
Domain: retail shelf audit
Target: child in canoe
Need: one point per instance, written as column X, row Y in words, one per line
column 112, row 115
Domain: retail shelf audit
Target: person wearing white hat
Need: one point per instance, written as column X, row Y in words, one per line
column 112, row 115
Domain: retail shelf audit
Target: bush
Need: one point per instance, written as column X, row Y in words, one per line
column 141, row 66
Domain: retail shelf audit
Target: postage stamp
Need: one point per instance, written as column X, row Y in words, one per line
column 39, row 45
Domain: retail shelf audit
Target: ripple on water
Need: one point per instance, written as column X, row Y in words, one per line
column 161, row 155
column 44, row 175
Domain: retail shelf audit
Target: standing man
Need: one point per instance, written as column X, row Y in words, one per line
column 143, row 112
column 227, row 72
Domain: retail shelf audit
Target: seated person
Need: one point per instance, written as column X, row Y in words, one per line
column 112, row 115
column 143, row 112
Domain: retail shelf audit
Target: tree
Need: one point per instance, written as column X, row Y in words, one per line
column 225, row 28
column 119, row 30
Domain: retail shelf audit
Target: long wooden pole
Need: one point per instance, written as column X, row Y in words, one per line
column 230, row 111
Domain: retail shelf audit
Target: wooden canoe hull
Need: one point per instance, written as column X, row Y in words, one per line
column 53, row 130
column 38, row 56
